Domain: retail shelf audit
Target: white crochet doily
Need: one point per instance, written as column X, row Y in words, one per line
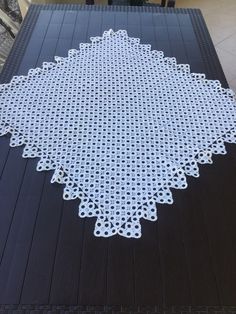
column 120, row 125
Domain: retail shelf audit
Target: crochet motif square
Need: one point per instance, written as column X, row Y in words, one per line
column 116, row 134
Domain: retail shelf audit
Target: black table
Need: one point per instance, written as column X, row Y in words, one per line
column 49, row 258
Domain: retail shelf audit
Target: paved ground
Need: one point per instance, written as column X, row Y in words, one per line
column 6, row 40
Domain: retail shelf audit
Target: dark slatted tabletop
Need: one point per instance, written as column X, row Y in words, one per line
column 50, row 262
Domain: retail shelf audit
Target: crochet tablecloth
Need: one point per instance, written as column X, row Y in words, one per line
column 120, row 125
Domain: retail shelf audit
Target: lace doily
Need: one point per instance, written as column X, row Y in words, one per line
column 120, row 125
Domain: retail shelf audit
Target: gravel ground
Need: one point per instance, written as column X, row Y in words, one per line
column 13, row 4
column 6, row 40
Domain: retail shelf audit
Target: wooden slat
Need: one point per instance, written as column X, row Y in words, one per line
column 9, row 192
column 219, row 213
column 19, row 240
column 120, row 271
column 67, row 267
column 93, row 274
column 176, row 280
column 148, row 272
column 199, row 260
column 37, row 281
column 4, row 142
column 66, row 270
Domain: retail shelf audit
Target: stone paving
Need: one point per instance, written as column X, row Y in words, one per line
column 6, row 40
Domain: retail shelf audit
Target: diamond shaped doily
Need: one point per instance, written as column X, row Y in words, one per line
column 120, row 125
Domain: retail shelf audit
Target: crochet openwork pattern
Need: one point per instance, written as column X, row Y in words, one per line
column 120, row 125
